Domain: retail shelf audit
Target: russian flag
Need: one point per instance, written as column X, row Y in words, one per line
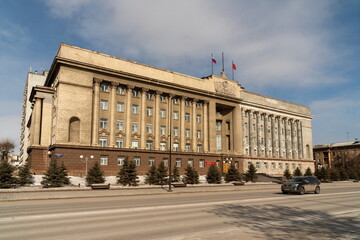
column 233, row 66
column 213, row 60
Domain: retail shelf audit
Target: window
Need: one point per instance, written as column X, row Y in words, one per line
column 178, row 162
column 218, row 125
column 286, row 165
column 162, row 146
column 176, row 146
column 162, row 98
column 151, row 161
column 135, row 109
column 149, row 145
column 198, row 118
column 120, row 160
column 104, row 104
column 175, row 115
column 249, row 163
column 120, row 143
column 176, row 131
column 104, row 160
column 175, row 100
column 217, row 163
column 294, row 166
column 150, row 96
column 103, row 141
column 191, row 162
column 135, row 93
column 135, row 127
column 135, row 144
column 120, row 107
column 187, row 132
column 257, row 165
column 187, row 103
column 120, row 90
column 198, row 105
column 166, row 161
column 187, row 147
column 236, row 164
column 104, row 87
column 201, row 163
column 162, row 130
column 120, row 125
column 218, row 142
column 137, row 161
column 149, row 111
column 273, row 165
column 266, row 165
column 162, row 113
column 199, row 148
column 187, row 117
column 149, row 128
column 103, row 123
column 198, row 133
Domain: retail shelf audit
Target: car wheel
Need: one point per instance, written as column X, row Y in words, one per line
column 284, row 192
column 317, row 190
column 301, row 191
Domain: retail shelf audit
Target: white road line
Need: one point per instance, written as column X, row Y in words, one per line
column 133, row 209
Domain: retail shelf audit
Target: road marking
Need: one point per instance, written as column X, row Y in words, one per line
column 134, row 209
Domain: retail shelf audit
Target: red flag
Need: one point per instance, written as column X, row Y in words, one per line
column 233, row 66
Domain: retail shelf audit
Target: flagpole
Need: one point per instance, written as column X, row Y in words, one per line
column 223, row 69
column 212, row 64
column 232, row 67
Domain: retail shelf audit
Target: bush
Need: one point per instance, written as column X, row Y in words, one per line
column 95, row 175
column 162, row 173
column 6, row 175
column 334, row 175
column 151, row 176
column 175, row 174
column 232, row 174
column 25, row 176
column 127, row 174
column 287, row 174
column 343, row 175
column 191, row 176
column 308, row 172
column 213, row 175
column 250, row 175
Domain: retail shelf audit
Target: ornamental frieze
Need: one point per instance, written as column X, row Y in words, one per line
column 225, row 88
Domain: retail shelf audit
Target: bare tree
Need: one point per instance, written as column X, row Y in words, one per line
column 6, row 147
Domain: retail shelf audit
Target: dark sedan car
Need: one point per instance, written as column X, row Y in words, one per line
column 301, row 185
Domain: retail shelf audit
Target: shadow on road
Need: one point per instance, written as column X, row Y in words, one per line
column 283, row 223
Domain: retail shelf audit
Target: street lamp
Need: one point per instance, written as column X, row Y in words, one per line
column 86, row 160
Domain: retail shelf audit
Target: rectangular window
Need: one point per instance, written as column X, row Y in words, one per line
column 135, row 109
column 166, row 161
column 187, row 132
column 135, row 93
column 175, row 115
column 187, row 103
column 162, row 130
column 176, row 146
column 199, row 148
column 162, row 98
column 257, row 165
column 103, row 141
column 249, row 163
column 163, row 113
column 266, row 165
column 135, row 127
column 175, row 100
column 135, row 144
column 187, row 117
column 280, row 165
column 104, row 87
column 191, row 162
column 178, row 162
column 103, row 123
column 187, row 147
column 104, row 160
column 120, row 143
column 198, row 105
column 120, row 90
column 120, row 107
column 120, row 125
column 176, row 131
column 150, row 96
column 120, row 160
column 286, row 165
column 273, row 165
column 218, row 125
column 104, row 104
column 151, row 161
column 162, row 146
column 149, row 128
column 198, row 118
column 201, row 163
column 149, row 111
column 237, row 165
column 218, row 142
column 137, row 161
column 198, row 133
column 149, row 145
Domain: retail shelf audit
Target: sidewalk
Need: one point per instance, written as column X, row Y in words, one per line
column 36, row 192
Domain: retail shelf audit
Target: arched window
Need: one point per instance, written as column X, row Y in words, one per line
column 74, row 130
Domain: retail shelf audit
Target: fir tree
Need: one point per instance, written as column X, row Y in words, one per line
column 25, row 176
column 232, row 174
column 325, row 174
column 127, row 175
column 297, row 172
column 175, row 174
column 213, row 175
column 162, row 173
column 63, row 174
column 6, row 174
column 250, row 175
column 191, row 176
column 95, row 175
column 343, row 175
column 334, row 175
column 287, row 174
column 151, row 176
column 52, row 177
column 318, row 174
column 308, row 172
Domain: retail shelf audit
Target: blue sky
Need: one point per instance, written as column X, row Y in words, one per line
column 306, row 52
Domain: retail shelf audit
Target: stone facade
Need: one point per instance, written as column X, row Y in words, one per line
column 105, row 109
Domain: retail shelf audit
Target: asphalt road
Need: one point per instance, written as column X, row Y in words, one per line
column 252, row 214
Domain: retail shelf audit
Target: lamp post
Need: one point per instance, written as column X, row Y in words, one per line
column 86, row 160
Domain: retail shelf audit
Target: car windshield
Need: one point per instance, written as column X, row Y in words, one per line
column 297, row 179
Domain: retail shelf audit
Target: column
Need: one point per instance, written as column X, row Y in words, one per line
column 293, row 147
column 170, row 119
column 157, row 120
column 237, row 126
column 251, row 134
column 96, row 108
column 182, row 124
column 142, row 118
column 112, row 106
column 280, row 137
column 266, row 135
column 212, row 126
column 286, row 137
column 37, row 120
column 193, row 125
column 244, row 130
column 273, row 136
column 300, row 147
column 258, row 135
column 206, row 127
column 128, row 116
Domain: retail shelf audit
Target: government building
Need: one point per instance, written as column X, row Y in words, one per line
column 94, row 107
